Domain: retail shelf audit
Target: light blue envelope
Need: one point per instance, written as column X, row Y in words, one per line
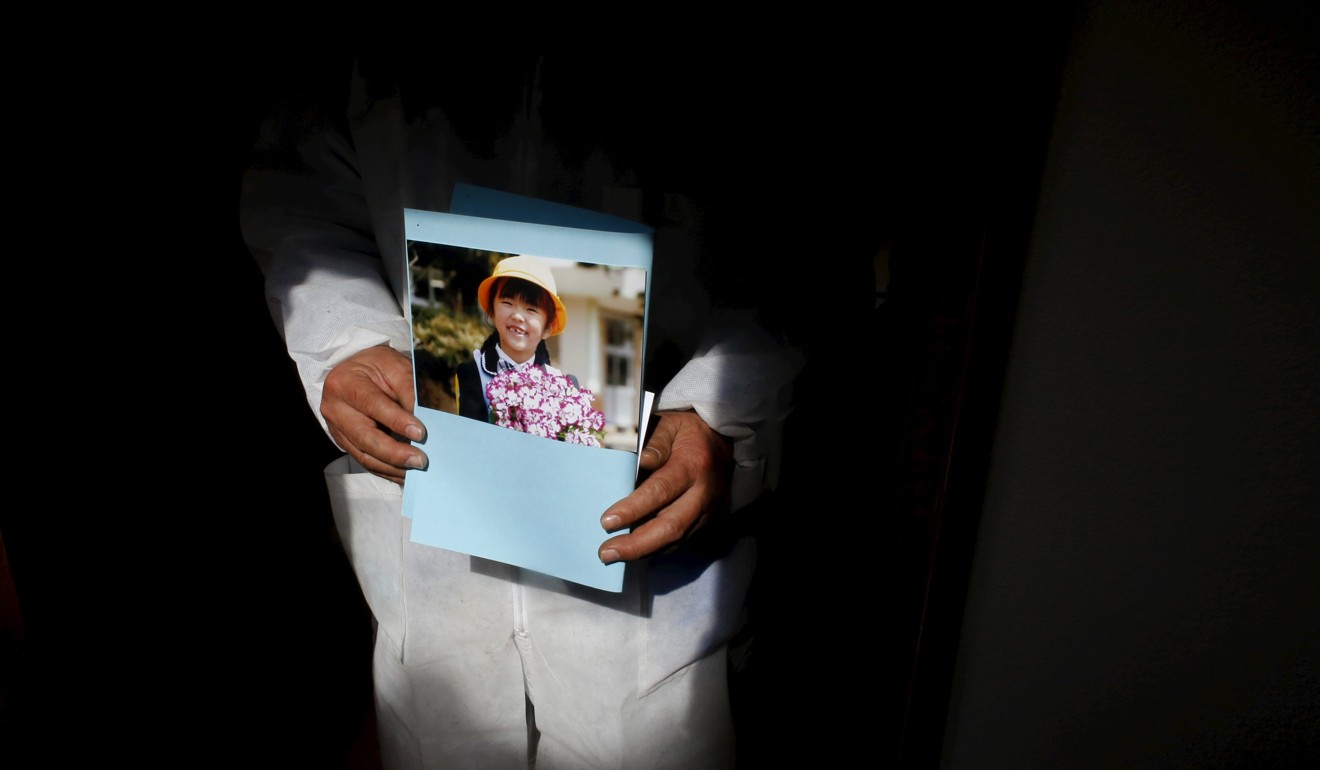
column 497, row 493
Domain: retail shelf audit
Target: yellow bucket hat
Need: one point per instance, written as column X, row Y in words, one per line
column 530, row 269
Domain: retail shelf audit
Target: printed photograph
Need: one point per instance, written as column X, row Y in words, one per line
column 546, row 346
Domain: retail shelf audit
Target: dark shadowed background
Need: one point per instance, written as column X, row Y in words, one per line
column 1052, row 503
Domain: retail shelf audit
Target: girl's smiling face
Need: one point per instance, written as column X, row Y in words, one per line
column 521, row 325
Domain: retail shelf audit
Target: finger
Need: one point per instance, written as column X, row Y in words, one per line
column 377, row 382
column 652, row 458
column 657, row 492
column 354, row 431
column 375, row 466
column 387, row 472
column 382, row 408
column 394, row 377
column 658, row 447
column 668, row 527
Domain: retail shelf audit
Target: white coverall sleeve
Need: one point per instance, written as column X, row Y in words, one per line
column 305, row 220
column 740, row 382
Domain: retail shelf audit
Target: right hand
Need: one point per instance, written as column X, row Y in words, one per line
column 368, row 406
column 688, row 466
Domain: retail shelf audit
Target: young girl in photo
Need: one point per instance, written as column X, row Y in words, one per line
column 521, row 302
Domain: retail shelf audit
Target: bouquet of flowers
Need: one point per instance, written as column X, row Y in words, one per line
column 544, row 402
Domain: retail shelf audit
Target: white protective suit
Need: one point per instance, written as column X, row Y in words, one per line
column 467, row 649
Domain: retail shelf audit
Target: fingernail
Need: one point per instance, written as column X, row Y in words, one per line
column 609, row 555
column 610, row 522
column 415, row 433
column 415, row 461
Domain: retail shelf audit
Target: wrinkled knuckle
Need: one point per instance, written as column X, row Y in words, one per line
column 670, row 530
column 362, row 391
column 663, row 488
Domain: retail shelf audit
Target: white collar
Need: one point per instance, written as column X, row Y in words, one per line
column 508, row 364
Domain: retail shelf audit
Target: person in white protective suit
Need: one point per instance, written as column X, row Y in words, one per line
column 476, row 663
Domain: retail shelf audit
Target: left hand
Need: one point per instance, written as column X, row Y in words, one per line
column 689, row 467
column 367, row 404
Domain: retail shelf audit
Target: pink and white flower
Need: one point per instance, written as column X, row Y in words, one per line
column 545, row 403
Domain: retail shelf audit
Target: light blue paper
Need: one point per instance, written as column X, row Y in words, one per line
column 497, row 493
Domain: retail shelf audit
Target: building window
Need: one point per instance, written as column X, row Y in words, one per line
column 618, row 352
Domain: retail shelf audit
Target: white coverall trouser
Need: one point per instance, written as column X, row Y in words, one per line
column 634, row 679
